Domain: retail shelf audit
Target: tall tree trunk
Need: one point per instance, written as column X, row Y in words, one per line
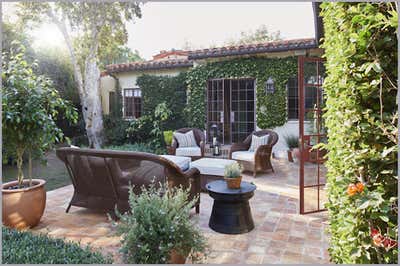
column 88, row 88
column 94, row 117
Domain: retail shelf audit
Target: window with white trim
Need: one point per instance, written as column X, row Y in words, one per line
column 132, row 103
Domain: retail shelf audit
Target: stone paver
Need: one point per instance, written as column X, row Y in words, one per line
column 281, row 235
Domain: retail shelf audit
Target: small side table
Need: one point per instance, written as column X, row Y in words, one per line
column 231, row 213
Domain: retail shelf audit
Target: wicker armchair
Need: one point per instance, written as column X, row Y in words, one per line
column 200, row 141
column 102, row 178
column 259, row 160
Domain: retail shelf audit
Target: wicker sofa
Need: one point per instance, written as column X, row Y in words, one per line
column 102, row 178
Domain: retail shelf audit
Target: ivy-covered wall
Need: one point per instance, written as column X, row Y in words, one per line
column 271, row 109
column 168, row 89
column 361, row 116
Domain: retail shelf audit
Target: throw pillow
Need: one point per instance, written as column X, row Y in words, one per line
column 185, row 139
column 258, row 141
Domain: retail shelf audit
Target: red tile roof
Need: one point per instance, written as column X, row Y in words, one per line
column 274, row 46
column 268, row 47
column 146, row 65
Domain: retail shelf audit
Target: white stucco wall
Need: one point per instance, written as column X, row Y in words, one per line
column 128, row 80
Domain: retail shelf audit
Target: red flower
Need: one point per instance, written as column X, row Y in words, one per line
column 374, row 232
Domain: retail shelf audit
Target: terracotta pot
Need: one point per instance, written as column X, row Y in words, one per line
column 233, row 183
column 176, row 258
column 289, row 156
column 23, row 208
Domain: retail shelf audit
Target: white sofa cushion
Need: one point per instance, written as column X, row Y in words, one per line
column 181, row 161
column 243, row 156
column 211, row 166
column 185, row 139
column 258, row 141
column 188, row 151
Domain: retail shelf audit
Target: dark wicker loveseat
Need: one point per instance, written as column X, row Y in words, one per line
column 101, row 178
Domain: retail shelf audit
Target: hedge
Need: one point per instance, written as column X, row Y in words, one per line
column 361, row 115
column 271, row 109
column 25, row 248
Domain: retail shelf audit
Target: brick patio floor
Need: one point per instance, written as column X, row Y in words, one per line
column 280, row 235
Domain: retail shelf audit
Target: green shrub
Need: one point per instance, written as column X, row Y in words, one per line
column 115, row 130
column 168, row 135
column 26, row 248
column 292, row 141
column 159, row 223
column 361, row 116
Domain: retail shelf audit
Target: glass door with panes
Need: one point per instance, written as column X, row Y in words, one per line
column 231, row 109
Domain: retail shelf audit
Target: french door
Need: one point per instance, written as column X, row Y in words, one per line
column 311, row 132
column 231, row 109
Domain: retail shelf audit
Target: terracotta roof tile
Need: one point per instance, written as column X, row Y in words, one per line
column 275, row 46
column 146, row 65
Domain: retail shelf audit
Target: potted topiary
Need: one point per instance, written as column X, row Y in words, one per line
column 233, row 175
column 292, row 142
column 30, row 104
column 168, row 135
column 158, row 228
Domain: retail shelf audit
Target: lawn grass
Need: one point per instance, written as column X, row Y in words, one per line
column 54, row 172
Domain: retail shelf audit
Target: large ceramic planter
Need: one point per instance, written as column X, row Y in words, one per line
column 23, row 208
column 233, row 183
column 176, row 258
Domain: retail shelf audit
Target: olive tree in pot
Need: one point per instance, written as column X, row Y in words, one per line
column 30, row 104
column 158, row 229
column 292, row 142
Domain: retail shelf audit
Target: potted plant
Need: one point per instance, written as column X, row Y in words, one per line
column 158, row 228
column 30, row 104
column 168, row 135
column 292, row 142
column 233, row 175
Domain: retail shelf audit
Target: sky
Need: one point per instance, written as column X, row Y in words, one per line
column 164, row 26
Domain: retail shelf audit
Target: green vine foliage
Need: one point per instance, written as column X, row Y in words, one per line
column 271, row 109
column 170, row 90
column 361, row 116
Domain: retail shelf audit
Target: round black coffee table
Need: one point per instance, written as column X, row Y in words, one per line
column 231, row 212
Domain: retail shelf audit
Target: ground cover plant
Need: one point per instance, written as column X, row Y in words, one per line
column 361, row 116
column 25, row 248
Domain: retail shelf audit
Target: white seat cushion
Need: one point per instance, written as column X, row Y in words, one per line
column 243, row 156
column 188, row 151
column 258, row 141
column 211, row 166
column 182, row 162
column 185, row 139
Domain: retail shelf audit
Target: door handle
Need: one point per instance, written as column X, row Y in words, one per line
column 232, row 116
column 222, row 117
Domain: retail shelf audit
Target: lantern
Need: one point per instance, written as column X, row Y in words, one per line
column 269, row 86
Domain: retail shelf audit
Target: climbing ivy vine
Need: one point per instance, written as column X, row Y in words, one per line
column 271, row 109
column 361, row 115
